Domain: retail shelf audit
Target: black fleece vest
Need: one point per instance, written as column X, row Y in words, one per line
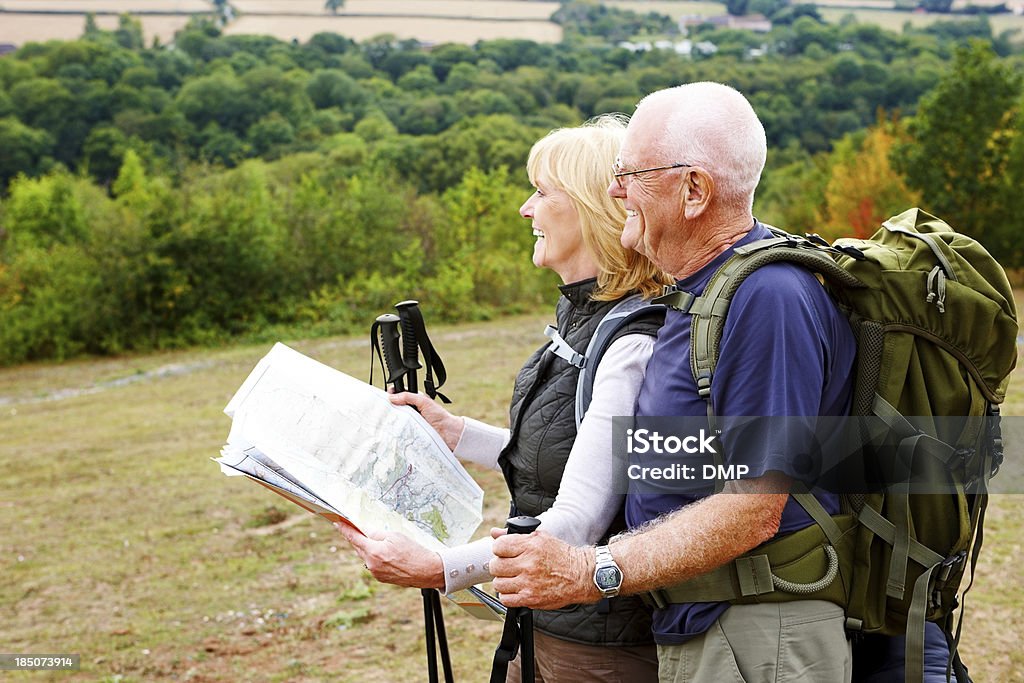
column 543, row 429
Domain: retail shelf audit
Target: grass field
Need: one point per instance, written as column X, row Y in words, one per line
column 123, row 543
column 675, row 10
column 425, row 29
column 866, row 12
column 481, row 9
column 19, row 29
column 894, row 21
column 464, row 21
column 117, row 6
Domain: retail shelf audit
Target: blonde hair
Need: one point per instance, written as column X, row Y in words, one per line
column 578, row 161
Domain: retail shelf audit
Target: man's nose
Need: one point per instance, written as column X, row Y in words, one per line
column 616, row 190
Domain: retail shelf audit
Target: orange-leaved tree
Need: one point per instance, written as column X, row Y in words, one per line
column 863, row 188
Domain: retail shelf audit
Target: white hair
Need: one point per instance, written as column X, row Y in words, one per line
column 713, row 126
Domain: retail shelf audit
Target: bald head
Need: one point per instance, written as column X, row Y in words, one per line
column 708, row 125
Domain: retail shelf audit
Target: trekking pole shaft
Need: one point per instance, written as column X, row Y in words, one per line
column 428, row 621
column 442, row 637
column 526, row 646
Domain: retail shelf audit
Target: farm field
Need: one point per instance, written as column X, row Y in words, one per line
column 894, row 21
column 19, row 29
column 671, row 9
column 465, row 21
column 116, row 6
column 425, row 29
column 477, row 9
column 123, row 542
column 878, row 12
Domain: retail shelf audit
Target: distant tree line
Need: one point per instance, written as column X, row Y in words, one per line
column 594, row 18
column 241, row 185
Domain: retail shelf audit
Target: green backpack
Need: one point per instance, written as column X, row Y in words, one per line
column 935, row 323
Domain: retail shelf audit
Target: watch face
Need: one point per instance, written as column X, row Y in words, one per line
column 608, row 577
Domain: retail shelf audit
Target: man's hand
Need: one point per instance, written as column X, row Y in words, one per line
column 394, row 558
column 539, row 571
column 449, row 427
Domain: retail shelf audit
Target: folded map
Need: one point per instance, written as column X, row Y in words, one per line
column 337, row 447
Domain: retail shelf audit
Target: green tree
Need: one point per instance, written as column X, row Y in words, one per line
column 129, row 32
column 42, row 212
column 335, row 88
column 104, row 151
column 962, row 145
column 218, row 98
column 25, row 149
column 737, row 7
column 334, row 5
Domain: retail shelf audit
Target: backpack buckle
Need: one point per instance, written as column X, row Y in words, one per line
column 675, row 298
column 816, row 239
column 655, row 599
column 704, row 384
column 851, row 251
column 946, row 568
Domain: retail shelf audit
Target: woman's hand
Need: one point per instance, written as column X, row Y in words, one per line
column 449, row 427
column 394, row 558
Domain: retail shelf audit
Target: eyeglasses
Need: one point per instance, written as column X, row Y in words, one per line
column 619, row 173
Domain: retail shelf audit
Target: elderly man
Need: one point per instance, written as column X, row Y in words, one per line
column 691, row 160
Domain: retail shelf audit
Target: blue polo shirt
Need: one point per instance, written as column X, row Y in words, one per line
column 786, row 350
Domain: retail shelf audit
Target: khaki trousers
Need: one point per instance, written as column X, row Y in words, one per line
column 557, row 660
column 803, row 640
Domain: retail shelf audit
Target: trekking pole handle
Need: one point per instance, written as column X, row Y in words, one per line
column 410, row 344
column 388, row 324
column 522, row 524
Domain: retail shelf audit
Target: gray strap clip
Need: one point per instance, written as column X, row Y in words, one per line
column 561, row 348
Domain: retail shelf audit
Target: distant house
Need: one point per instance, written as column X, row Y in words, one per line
column 749, row 22
column 7, row 48
column 686, row 48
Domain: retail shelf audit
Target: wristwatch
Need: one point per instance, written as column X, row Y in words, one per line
column 607, row 575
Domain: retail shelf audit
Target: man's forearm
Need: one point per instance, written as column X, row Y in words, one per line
column 702, row 536
column 543, row 572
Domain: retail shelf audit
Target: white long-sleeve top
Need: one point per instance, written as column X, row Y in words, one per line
column 590, row 493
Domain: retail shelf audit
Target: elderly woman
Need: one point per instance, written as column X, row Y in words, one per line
column 561, row 474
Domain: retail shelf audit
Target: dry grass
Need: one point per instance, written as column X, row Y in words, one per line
column 860, row 4
column 19, row 29
column 119, row 6
column 465, row 21
column 423, row 29
column 122, row 542
column 894, row 21
column 675, row 10
column 477, row 9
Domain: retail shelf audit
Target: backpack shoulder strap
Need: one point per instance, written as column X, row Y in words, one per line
column 710, row 309
column 631, row 308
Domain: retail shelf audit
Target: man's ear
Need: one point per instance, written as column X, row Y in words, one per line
column 698, row 189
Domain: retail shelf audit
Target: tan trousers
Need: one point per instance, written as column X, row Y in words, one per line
column 801, row 641
column 558, row 661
